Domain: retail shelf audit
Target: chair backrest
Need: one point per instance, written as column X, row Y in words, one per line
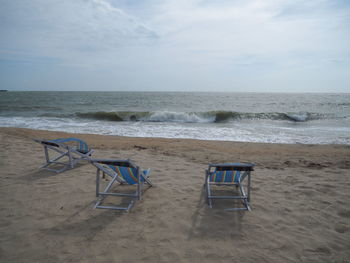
column 228, row 176
column 80, row 144
column 125, row 168
column 228, row 172
column 233, row 166
column 129, row 174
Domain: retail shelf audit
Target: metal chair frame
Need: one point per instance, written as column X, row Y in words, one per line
column 63, row 150
column 102, row 166
column 246, row 168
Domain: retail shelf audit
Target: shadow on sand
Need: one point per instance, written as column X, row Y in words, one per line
column 216, row 223
column 37, row 174
column 84, row 224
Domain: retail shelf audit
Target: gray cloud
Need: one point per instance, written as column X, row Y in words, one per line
column 223, row 45
column 55, row 27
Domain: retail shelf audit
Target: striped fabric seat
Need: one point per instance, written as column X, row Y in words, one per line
column 234, row 175
column 225, row 176
column 122, row 172
column 70, row 151
column 128, row 174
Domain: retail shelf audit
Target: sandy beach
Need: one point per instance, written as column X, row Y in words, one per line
column 300, row 204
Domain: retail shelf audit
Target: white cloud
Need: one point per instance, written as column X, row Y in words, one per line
column 255, row 27
column 171, row 44
column 65, row 27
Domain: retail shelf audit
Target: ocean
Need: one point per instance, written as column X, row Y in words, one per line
column 246, row 117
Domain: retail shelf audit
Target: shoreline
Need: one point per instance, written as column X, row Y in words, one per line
column 25, row 131
column 301, row 118
column 300, row 204
column 262, row 153
column 71, row 134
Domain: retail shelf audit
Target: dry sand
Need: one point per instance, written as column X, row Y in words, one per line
column 300, row 202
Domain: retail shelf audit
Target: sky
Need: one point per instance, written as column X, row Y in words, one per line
column 175, row 45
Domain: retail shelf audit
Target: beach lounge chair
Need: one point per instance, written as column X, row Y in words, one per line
column 229, row 174
column 122, row 172
column 70, row 152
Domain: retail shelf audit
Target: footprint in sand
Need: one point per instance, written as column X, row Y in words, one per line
column 320, row 250
column 344, row 213
column 5, row 223
column 341, row 228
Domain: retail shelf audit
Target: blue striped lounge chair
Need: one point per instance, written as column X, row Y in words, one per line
column 121, row 172
column 229, row 174
column 70, row 152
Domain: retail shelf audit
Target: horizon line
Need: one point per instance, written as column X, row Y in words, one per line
column 180, row 91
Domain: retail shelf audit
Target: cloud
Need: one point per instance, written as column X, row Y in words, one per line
column 182, row 44
column 252, row 26
column 65, row 27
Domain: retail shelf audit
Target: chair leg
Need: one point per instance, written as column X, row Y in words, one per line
column 245, row 199
column 47, row 157
column 71, row 160
column 145, row 177
column 207, row 189
column 98, row 183
column 138, row 184
column 249, row 182
column 210, row 201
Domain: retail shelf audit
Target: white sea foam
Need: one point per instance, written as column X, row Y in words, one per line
column 251, row 117
column 301, row 116
column 166, row 116
column 245, row 131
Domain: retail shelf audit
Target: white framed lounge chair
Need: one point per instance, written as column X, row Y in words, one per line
column 229, row 175
column 121, row 172
column 70, row 152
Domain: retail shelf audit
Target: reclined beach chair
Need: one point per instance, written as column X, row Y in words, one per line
column 229, row 174
column 123, row 172
column 70, row 152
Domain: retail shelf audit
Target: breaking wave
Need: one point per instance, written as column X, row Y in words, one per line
column 198, row 117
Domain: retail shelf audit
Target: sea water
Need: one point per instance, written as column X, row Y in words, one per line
column 248, row 117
